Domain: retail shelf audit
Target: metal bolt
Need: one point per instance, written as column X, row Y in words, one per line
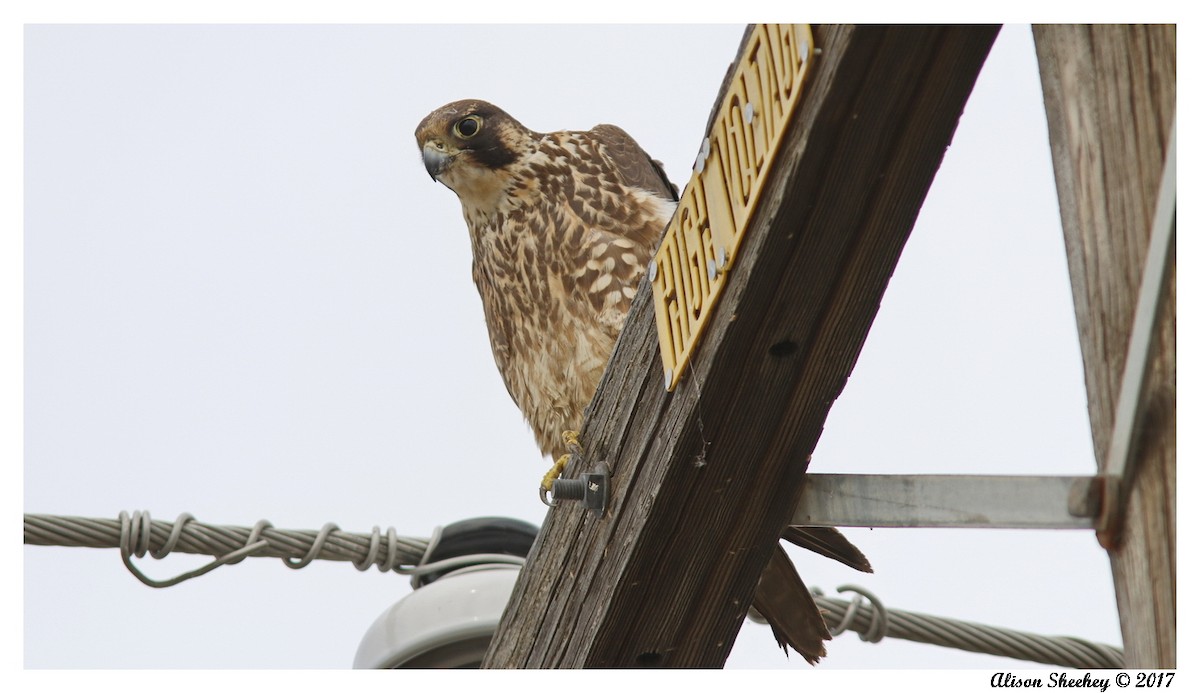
column 702, row 156
column 712, row 270
column 652, row 270
column 590, row 487
column 748, row 113
column 722, row 258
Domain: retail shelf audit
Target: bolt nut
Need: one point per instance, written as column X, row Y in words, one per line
column 590, row 487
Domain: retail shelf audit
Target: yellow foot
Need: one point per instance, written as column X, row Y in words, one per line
column 555, row 472
column 571, row 440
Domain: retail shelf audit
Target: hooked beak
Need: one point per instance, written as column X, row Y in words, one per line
column 435, row 160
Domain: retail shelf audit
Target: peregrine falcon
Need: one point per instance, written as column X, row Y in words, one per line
column 562, row 226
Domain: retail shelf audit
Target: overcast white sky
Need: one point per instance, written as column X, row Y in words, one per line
column 245, row 299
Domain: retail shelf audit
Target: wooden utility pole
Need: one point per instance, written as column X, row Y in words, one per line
column 1110, row 105
column 706, row 476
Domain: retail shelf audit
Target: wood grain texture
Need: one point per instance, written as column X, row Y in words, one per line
column 706, row 477
column 1110, row 104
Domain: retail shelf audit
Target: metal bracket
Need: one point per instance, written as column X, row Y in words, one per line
column 943, row 500
column 1117, row 468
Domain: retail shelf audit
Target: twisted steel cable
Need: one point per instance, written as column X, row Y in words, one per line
column 872, row 621
column 137, row 534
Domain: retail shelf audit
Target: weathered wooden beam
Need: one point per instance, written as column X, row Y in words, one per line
column 705, row 477
column 1110, row 105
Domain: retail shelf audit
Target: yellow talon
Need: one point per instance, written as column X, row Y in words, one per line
column 571, row 440
column 555, row 472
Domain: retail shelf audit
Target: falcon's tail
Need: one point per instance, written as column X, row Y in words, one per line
column 830, row 543
column 785, row 603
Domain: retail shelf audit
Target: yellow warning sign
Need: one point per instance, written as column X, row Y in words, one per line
column 701, row 243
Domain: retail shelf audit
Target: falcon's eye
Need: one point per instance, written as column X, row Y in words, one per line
column 468, row 127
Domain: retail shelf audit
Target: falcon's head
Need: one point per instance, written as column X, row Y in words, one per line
column 469, row 145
